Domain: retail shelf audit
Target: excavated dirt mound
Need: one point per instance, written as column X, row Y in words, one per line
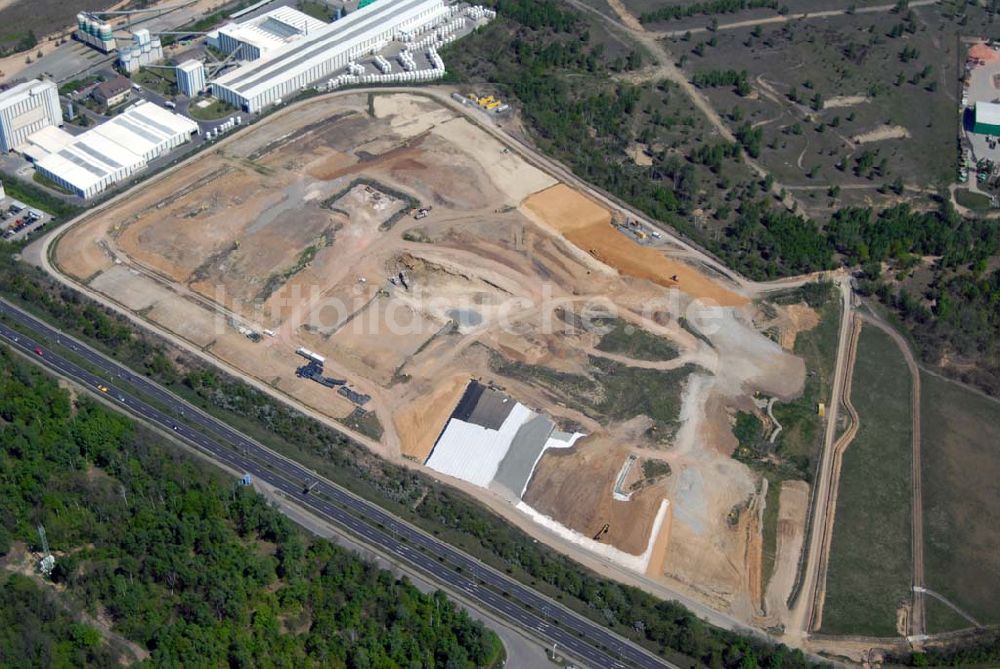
column 793, row 503
column 587, row 225
column 575, row 486
column 420, row 423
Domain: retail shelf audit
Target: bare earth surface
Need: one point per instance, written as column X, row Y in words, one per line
column 302, row 226
column 793, row 502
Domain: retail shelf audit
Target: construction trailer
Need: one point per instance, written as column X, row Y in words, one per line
column 310, row 355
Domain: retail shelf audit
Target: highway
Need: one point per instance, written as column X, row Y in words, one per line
column 444, row 564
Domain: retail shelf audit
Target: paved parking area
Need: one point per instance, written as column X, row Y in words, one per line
column 18, row 220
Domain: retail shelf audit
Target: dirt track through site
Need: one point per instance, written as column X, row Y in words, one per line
column 823, row 559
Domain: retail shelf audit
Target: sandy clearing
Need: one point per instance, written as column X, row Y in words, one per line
column 419, row 423
column 512, row 176
column 658, row 554
column 637, row 152
column 566, row 210
column 879, row 134
column 844, row 101
column 410, row 115
column 474, row 252
column 88, row 256
column 130, row 288
column 638, row 562
column 793, row 502
column 798, row 318
column 380, row 339
column 587, row 224
column 190, row 321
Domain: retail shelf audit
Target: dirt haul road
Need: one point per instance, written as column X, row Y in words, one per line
column 800, row 617
column 826, row 530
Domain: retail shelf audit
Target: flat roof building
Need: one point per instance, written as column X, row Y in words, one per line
column 987, row 119
column 318, row 55
column 25, row 109
column 266, row 33
column 47, row 140
column 115, row 150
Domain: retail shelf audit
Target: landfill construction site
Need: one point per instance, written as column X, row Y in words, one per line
column 383, row 260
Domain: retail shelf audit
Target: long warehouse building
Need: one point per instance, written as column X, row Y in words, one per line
column 317, row 56
column 87, row 164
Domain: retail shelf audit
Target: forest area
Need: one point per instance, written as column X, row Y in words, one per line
column 182, row 561
column 936, row 270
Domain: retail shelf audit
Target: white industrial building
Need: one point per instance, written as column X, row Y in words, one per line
column 144, row 50
column 111, row 152
column 40, row 144
column 318, row 55
column 191, row 77
column 26, row 109
column 264, row 34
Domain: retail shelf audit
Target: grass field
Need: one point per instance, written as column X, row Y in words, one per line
column 870, row 562
column 365, row 422
column 163, row 82
column 960, row 433
column 816, row 85
column 800, row 435
column 218, row 109
column 628, row 340
column 769, row 531
column 942, row 618
column 614, row 392
column 317, row 9
column 974, row 201
column 42, row 17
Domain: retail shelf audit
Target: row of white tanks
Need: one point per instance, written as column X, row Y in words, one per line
column 405, row 59
column 383, row 65
column 391, row 77
column 144, row 50
column 224, row 128
column 95, row 32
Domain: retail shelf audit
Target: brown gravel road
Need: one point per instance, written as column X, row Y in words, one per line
column 823, row 558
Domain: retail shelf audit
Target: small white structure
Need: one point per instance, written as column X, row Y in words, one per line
column 191, row 77
column 144, row 50
column 25, row 109
column 115, row 150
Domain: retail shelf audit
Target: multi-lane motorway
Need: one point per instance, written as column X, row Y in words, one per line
column 490, row 589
